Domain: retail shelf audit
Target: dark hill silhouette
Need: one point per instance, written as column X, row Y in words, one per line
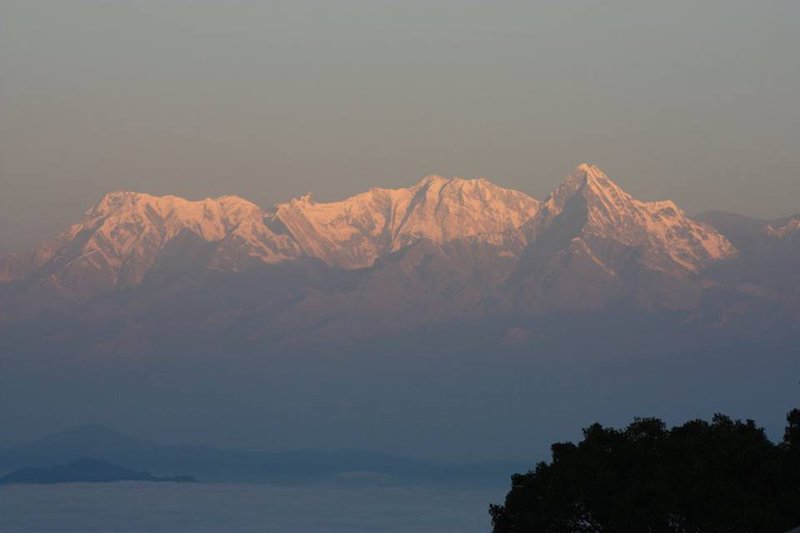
column 210, row 464
column 84, row 470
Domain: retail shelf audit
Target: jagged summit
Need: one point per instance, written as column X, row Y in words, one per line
column 352, row 233
column 592, row 185
column 589, row 228
column 589, row 174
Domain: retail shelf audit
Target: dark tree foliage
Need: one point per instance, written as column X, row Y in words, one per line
column 723, row 476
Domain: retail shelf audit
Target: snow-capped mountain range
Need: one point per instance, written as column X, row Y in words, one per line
column 442, row 249
column 121, row 238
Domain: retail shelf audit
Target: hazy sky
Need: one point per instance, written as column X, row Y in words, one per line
column 695, row 101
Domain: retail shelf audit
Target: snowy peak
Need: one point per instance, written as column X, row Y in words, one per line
column 442, row 210
column 353, row 233
column 590, row 176
column 211, row 218
column 123, row 236
column 348, row 234
column 589, row 206
column 115, row 201
column 590, row 186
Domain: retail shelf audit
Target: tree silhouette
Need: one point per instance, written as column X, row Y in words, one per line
column 722, row 476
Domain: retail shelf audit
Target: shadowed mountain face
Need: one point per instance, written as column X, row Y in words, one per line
column 139, row 273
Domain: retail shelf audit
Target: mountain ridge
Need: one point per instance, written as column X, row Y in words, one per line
column 118, row 240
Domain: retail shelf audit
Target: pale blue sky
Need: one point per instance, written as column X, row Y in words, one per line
column 694, row 101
